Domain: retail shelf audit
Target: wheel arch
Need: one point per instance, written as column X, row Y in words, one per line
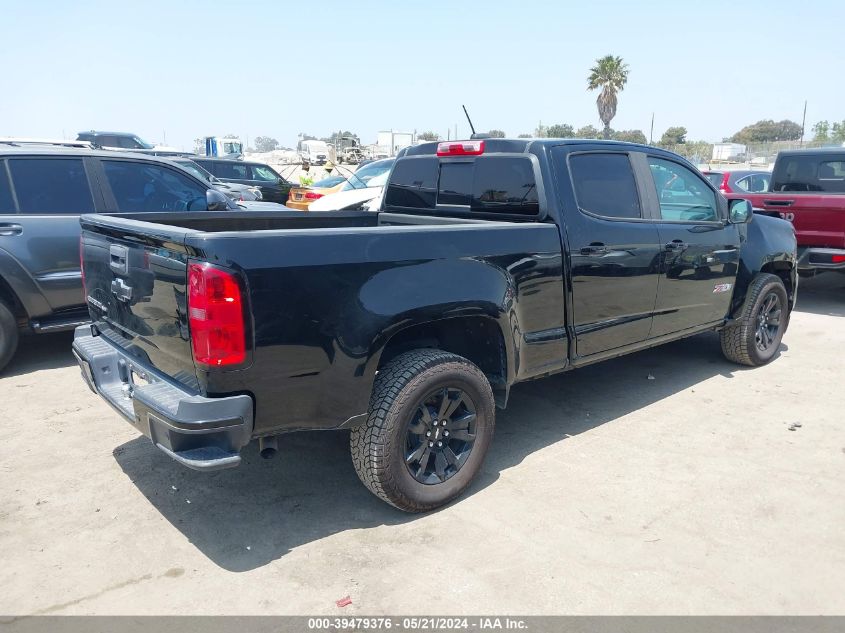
column 480, row 339
column 20, row 290
column 769, row 246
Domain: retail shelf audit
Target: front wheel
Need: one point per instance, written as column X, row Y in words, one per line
column 431, row 421
column 755, row 337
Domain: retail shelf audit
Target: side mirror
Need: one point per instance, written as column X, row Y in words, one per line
column 739, row 211
column 216, row 201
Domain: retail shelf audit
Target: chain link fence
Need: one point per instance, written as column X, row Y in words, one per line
column 757, row 155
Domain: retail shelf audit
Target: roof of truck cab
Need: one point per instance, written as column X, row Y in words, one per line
column 521, row 145
column 102, row 132
column 812, row 151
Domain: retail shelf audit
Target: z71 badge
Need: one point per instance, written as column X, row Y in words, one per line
column 722, row 288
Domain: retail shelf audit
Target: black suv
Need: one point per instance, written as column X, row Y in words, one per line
column 43, row 190
column 274, row 188
column 114, row 140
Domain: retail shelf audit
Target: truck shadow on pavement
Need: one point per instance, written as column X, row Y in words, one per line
column 40, row 352
column 249, row 516
column 823, row 294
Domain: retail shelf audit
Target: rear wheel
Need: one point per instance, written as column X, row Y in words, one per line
column 431, row 420
column 8, row 334
column 755, row 337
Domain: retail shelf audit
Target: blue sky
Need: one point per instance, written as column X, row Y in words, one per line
column 183, row 69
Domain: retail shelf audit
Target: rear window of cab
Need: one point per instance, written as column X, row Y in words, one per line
column 488, row 184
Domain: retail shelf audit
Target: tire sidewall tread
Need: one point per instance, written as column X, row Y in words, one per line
column 737, row 340
column 377, row 445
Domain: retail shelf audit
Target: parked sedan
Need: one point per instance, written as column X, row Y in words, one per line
column 274, row 188
column 740, row 181
column 301, row 197
column 363, row 189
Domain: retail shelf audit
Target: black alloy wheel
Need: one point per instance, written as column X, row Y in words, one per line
column 440, row 436
column 768, row 322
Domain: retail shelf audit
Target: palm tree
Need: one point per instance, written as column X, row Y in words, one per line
column 610, row 74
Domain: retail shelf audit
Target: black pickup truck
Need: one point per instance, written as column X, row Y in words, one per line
column 490, row 262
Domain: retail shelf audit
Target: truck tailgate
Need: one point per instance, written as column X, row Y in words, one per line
column 135, row 287
column 819, row 219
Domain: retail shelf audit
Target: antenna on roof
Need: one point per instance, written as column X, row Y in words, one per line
column 468, row 119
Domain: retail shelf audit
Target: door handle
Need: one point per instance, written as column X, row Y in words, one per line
column 778, row 203
column 676, row 245
column 9, row 228
column 596, row 248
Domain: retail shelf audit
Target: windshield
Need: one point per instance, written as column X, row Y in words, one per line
column 361, row 178
column 195, row 169
column 231, row 147
column 143, row 143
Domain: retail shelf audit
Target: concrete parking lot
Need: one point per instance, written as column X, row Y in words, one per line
column 668, row 481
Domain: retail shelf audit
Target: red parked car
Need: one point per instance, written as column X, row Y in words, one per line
column 808, row 189
column 743, row 181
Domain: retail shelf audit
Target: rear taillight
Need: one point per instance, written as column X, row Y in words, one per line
column 725, row 187
column 82, row 267
column 310, row 195
column 837, row 259
column 215, row 316
column 460, row 148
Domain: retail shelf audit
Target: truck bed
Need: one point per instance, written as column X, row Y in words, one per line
column 323, row 293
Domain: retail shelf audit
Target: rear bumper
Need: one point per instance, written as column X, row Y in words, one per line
column 818, row 259
column 198, row 432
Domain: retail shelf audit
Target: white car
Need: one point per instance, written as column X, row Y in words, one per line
column 362, row 190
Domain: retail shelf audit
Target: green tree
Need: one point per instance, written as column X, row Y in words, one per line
column 560, row 130
column 265, row 144
column 588, row 131
column 674, row 136
column 541, row 131
column 610, row 74
column 429, row 136
column 630, row 136
column 821, row 131
column 766, row 131
column 837, row 132
column 497, row 133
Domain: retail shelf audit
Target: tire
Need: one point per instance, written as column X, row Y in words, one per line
column 755, row 337
column 8, row 334
column 400, row 426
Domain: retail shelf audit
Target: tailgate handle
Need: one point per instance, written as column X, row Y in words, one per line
column 119, row 259
column 779, row 203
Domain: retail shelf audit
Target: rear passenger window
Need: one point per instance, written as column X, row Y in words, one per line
column 7, row 204
column 51, row 185
column 604, row 184
column 233, row 171
column 505, row 185
column 142, row 187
